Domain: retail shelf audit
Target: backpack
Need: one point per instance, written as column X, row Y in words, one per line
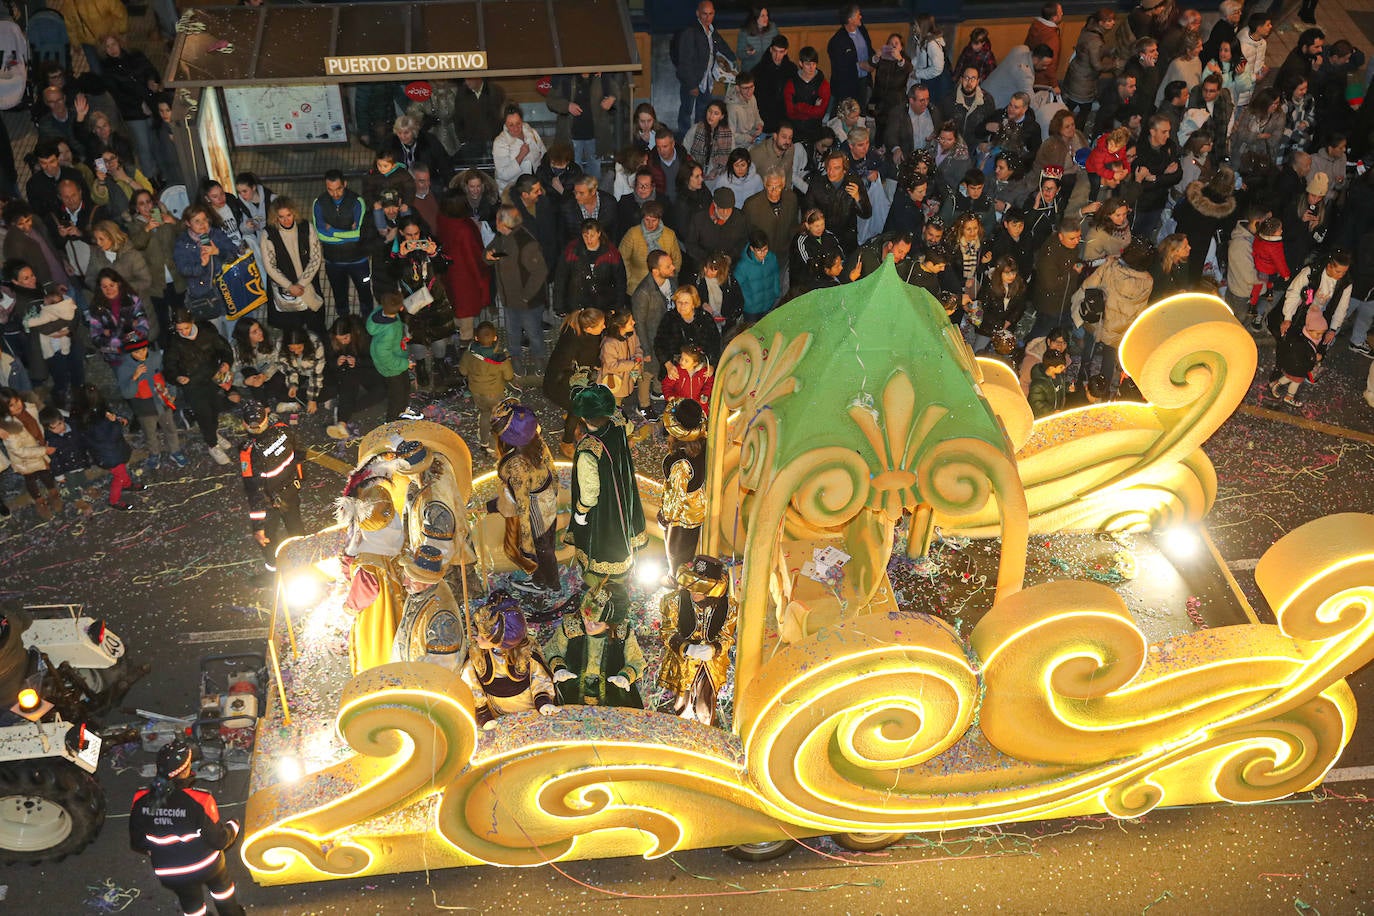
column 1093, row 306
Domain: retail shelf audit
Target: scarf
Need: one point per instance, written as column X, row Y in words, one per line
column 652, row 238
column 31, row 426
column 712, row 149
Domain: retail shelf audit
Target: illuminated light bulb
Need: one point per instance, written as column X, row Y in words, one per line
column 28, row 699
column 289, row 769
column 1182, row 543
column 648, row 572
column 301, row 591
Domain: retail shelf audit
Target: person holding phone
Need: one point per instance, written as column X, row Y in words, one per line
column 200, row 253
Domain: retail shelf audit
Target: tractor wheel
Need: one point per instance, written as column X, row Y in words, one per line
column 49, row 809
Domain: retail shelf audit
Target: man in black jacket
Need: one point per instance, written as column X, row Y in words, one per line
column 479, row 107
column 851, row 52
column 695, row 49
column 1156, row 170
column 521, row 275
column 1058, row 274
column 539, row 214
column 770, row 76
column 842, row 198
column 588, row 201
column 720, row 227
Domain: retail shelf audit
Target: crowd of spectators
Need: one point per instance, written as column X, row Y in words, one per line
column 1043, row 212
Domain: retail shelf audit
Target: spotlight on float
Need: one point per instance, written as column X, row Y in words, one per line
column 1182, row 543
column 29, row 704
column 289, row 769
column 648, row 572
column 302, row 591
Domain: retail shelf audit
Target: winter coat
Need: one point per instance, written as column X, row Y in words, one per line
column 706, row 236
column 104, row 439
column 467, row 278
column 1245, row 137
column 620, row 356
column 1269, row 257
column 779, row 226
column 129, row 263
column 477, row 119
column 1090, row 64
column 1047, row 394
column 305, row 373
column 1102, row 243
column 156, row 243
column 731, row 306
column 759, row 281
column 743, row 116
column 1201, row 218
column 387, row 346
column 1054, row 281
column 591, row 278
column 1296, row 356
column 108, row 332
column 70, row 453
column 696, row 384
column 126, row 77
column 198, row 359
column 1241, row 275
column 634, row 251
column 972, row 113
column 566, row 89
column 487, row 375
column 27, row 454
column 1219, row 124
column 753, row 49
column 844, row 63
column 673, row 332
column 1035, row 352
column 88, row 21
column 573, row 351
column 1044, row 32
column 200, row 278
column 522, row 275
column 1128, row 294
column 842, row 212
column 1155, row 194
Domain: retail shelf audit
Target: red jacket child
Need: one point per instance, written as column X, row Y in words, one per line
column 694, row 377
column 1268, row 250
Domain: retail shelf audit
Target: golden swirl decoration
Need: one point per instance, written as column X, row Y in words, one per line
column 959, row 476
column 1068, row 678
column 895, row 436
column 1193, row 361
column 413, row 728
column 648, row 785
column 894, row 692
column 1001, row 388
column 748, row 380
column 826, row 487
column 1167, row 495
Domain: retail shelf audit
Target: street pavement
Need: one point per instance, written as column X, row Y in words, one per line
column 175, row 580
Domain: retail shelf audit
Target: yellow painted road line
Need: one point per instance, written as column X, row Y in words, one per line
column 1262, row 413
column 325, row 460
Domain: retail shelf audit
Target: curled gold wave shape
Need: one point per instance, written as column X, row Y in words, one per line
column 413, row 729
column 835, row 717
column 547, row 789
column 1193, row 362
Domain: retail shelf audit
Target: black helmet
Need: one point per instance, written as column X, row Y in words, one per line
column 174, row 760
column 254, row 415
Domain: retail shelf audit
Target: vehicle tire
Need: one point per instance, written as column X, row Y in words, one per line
column 49, row 809
column 761, row 852
column 867, row 842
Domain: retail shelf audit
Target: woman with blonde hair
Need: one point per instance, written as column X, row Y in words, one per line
column 113, row 249
column 1171, row 269
column 293, row 259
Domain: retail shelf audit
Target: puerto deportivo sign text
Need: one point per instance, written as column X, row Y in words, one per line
column 405, row 63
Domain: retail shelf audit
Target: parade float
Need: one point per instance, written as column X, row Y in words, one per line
column 1051, row 671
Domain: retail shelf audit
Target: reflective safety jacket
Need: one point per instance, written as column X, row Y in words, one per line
column 270, row 464
column 182, row 832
